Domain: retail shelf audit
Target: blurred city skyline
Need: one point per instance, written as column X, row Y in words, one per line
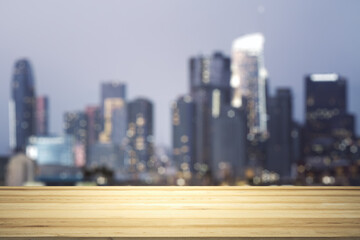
column 73, row 47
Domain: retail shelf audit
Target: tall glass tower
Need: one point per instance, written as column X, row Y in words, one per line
column 248, row 81
column 206, row 129
column 22, row 105
column 183, row 124
column 328, row 122
column 279, row 148
column 115, row 121
column 210, row 91
column 113, row 112
column 112, row 90
column 140, row 135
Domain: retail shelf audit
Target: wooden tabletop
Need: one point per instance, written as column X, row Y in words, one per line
column 217, row 212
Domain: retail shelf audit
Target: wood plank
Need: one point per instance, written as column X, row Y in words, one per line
column 173, row 212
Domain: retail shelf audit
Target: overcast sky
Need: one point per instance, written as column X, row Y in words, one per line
column 75, row 45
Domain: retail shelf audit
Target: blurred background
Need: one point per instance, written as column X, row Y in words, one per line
column 179, row 92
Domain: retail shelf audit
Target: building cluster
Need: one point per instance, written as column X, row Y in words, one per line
column 116, row 135
column 102, row 143
column 228, row 129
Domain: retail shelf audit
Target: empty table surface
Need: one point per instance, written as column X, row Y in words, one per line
column 193, row 212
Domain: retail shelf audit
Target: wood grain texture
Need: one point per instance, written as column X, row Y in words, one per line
column 192, row 212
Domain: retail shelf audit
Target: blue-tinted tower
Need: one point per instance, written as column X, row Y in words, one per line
column 22, row 105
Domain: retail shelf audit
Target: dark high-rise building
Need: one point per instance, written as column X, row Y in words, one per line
column 112, row 90
column 297, row 142
column 344, row 126
column 279, row 154
column 329, row 128
column 75, row 124
column 326, row 110
column 93, row 117
column 183, row 124
column 210, row 90
column 4, row 160
column 42, row 116
column 326, row 98
column 140, row 135
column 210, row 72
column 228, row 149
column 22, row 105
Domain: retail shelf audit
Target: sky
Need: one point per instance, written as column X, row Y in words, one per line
column 75, row 45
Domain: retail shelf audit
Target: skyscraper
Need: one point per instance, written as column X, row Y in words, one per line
column 248, row 81
column 209, row 72
column 326, row 112
column 93, row 124
column 279, row 154
column 113, row 112
column 329, row 128
column 140, row 135
column 115, row 121
column 42, row 116
column 75, row 124
column 228, row 145
column 183, row 139
column 322, row 108
column 22, row 105
column 112, row 90
column 210, row 90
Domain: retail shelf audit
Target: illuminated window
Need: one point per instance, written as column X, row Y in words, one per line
column 184, row 139
column 140, row 121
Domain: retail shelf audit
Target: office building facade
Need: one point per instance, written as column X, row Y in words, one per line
column 280, row 144
column 248, row 81
column 183, row 127
column 52, row 150
column 210, row 91
column 93, row 116
column 329, row 128
column 140, row 147
column 42, row 116
column 76, row 125
column 22, row 105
